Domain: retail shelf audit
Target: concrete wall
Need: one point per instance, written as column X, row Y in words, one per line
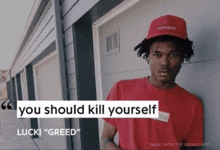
column 200, row 76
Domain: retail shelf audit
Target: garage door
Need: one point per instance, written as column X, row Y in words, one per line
column 48, row 87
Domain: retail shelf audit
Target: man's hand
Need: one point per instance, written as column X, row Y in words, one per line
column 107, row 137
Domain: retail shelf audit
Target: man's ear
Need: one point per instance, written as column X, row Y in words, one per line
column 147, row 59
column 182, row 60
column 183, row 57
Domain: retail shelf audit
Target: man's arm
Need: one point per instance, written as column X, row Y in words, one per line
column 107, row 137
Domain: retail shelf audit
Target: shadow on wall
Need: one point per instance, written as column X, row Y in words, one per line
column 205, row 73
column 206, row 44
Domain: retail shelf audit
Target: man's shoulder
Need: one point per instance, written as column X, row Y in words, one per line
column 127, row 82
column 188, row 96
column 123, row 88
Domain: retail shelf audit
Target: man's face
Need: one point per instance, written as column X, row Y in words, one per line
column 165, row 61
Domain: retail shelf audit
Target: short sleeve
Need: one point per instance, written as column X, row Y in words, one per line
column 195, row 137
column 112, row 95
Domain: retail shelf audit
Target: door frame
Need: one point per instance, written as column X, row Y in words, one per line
column 95, row 30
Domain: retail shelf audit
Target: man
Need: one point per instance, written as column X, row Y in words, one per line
column 180, row 122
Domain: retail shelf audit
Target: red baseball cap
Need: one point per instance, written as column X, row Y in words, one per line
column 167, row 25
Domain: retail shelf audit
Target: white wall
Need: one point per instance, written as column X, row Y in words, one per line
column 201, row 77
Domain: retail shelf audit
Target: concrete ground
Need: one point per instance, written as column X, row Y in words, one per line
column 9, row 124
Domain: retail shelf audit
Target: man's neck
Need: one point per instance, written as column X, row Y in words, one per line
column 162, row 85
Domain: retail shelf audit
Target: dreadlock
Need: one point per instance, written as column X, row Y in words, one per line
column 185, row 46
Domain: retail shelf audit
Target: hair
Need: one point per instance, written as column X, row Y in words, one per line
column 185, row 46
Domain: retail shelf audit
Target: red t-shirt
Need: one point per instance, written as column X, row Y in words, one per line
column 185, row 122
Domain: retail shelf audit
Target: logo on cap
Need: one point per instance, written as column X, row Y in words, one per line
column 166, row 27
column 167, row 24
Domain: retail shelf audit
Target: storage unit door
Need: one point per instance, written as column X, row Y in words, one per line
column 48, row 87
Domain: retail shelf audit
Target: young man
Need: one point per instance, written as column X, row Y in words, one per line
column 180, row 122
